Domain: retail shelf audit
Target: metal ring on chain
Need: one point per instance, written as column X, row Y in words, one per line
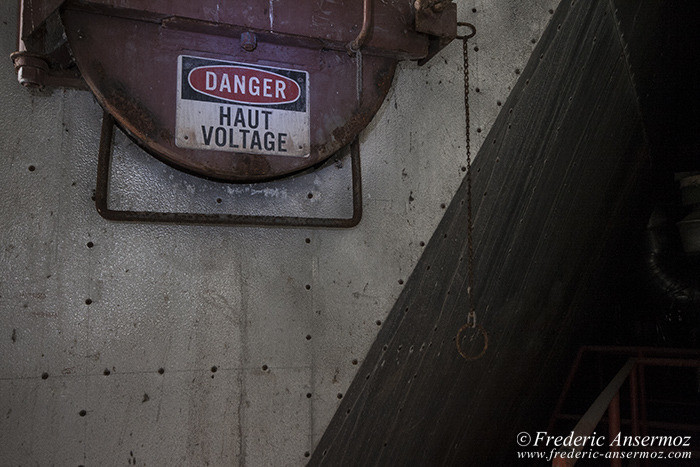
column 464, row 355
column 469, row 25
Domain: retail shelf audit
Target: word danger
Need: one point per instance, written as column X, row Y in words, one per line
column 244, row 85
column 244, row 129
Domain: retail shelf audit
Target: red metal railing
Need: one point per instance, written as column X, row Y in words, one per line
column 609, row 399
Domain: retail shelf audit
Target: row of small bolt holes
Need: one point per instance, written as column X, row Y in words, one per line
column 478, row 130
column 517, row 72
column 307, row 286
column 88, row 301
column 214, row 369
column 107, row 372
column 442, row 206
column 307, row 240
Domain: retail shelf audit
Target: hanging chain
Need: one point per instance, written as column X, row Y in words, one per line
column 471, row 315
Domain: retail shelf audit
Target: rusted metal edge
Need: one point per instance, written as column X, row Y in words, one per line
column 565, row 391
column 283, row 38
column 265, row 35
column 39, row 68
column 33, row 71
column 441, row 29
column 590, row 419
column 649, row 356
column 102, row 198
column 361, row 38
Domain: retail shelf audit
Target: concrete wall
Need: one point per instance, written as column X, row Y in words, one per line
column 559, row 172
column 215, row 345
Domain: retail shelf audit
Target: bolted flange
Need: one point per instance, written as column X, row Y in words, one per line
column 249, row 41
column 31, row 69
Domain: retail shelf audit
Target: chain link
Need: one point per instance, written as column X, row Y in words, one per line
column 471, row 315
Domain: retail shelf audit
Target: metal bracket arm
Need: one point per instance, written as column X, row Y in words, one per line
column 102, row 198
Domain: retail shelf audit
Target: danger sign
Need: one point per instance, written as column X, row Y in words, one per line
column 237, row 107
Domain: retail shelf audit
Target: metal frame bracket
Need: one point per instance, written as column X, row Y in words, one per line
column 102, row 198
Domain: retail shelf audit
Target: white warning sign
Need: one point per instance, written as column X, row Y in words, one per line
column 239, row 107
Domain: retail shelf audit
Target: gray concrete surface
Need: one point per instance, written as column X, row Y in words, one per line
column 193, row 299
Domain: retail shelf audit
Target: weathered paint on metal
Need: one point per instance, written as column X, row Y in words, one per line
column 141, row 97
column 138, row 85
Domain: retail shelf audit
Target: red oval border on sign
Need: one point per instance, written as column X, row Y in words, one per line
column 250, row 86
